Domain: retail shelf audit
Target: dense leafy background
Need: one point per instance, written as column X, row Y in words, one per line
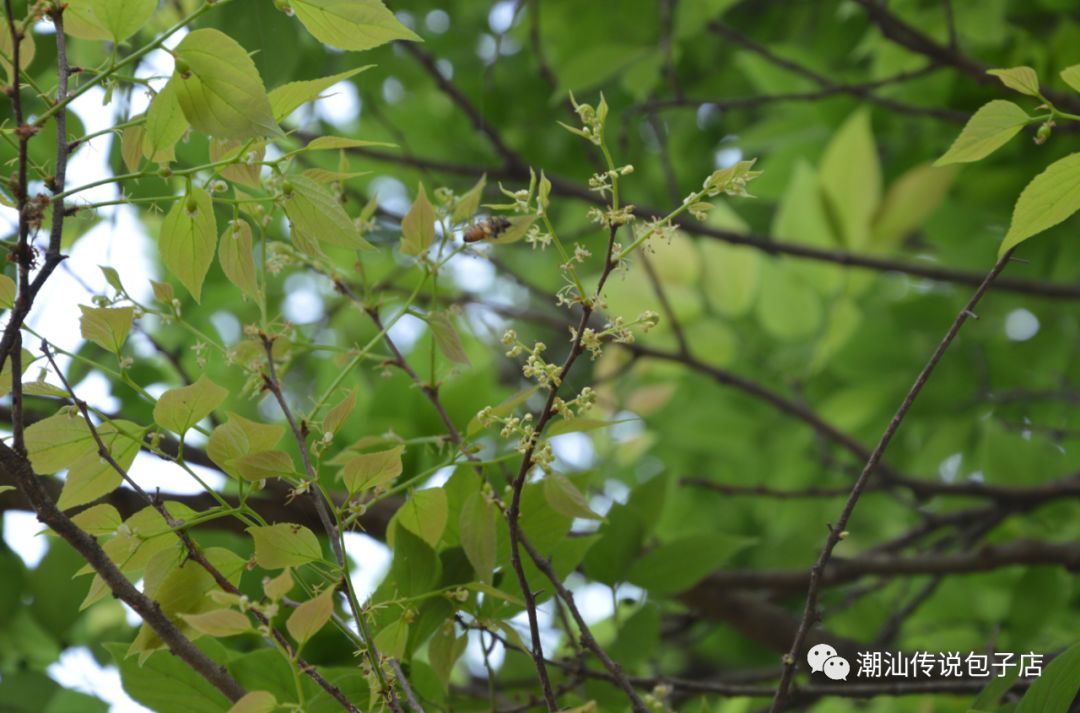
column 842, row 173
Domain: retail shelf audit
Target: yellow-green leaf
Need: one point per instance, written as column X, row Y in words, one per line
column 131, row 146
column 284, row 545
column 236, row 258
column 477, row 528
column 851, row 178
column 311, row 616
column 279, row 586
column 519, row 228
column 337, row 415
column 446, row 337
column 326, row 143
column 123, row 18
column 1049, row 199
column 468, row 203
column 255, row 702
column 26, row 51
column 219, row 88
column 424, row 514
column 108, row 327
column 1071, row 75
column 218, row 623
column 188, row 239
column 1019, row 79
column 418, row 225
column 317, row 214
column 565, row 499
column 392, row 640
column 98, row 520
column 7, row 292
column 909, row 202
column 241, row 170
column 287, row 98
column 165, row 124
column 91, row 476
column 987, row 130
column 351, row 24
column 56, row 442
column 238, row 437
column 262, row 465
column 181, row 408
column 370, row 470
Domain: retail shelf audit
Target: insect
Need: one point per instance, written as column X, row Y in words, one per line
column 490, row 228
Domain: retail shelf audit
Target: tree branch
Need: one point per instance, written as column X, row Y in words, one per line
column 837, row 530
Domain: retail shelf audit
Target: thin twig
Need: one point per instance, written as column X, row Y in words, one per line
column 837, row 529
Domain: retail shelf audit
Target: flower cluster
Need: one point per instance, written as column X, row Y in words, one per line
column 592, row 120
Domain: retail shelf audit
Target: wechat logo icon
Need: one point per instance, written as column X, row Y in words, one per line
column 824, row 659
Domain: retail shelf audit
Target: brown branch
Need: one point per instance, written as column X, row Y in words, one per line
column 19, row 470
column 862, row 92
column 914, row 39
column 837, row 530
column 860, row 89
column 843, row 571
column 509, row 156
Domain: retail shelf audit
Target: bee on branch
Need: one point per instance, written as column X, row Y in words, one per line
column 487, row 229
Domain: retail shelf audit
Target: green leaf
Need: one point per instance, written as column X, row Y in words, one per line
column 478, row 534
column 166, row 684
column 263, row 465
column 311, row 616
column 444, row 649
column 238, row 437
column 319, row 215
column 284, row 545
column 470, row 202
column 1071, row 75
column 56, row 442
column 337, row 415
column 333, row 143
column 123, row 18
column 610, row 559
column 418, row 225
column 181, row 408
column 503, row 409
column 1054, row 691
column 255, row 702
column 219, row 88
column 415, row 568
column 564, row 498
column 425, row 514
column 910, row 200
column 371, row 470
column 1019, row 79
column 581, row 425
column 987, row 130
column 851, row 178
column 7, row 292
column 393, row 639
column 98, row 520
column 236, row 258
column 287, row 98
column 188, row 239
column 351, row 24
column 519, row 228
column 1047, row 200
column 108, row 327
column 165, row 124
column 278, row 587
column 446, row 337
column 27, row 49
column 91, row 476
column 677, row 566
column 218, row 622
